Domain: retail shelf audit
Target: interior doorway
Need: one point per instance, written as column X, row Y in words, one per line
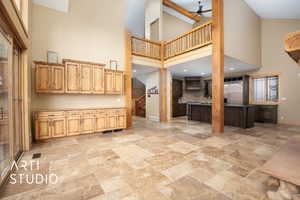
column 138, row 97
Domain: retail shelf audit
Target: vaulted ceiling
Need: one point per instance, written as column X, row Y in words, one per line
column 60, row 5
column 277, row 9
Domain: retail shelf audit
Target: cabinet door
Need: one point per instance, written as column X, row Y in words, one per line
column 73, row 126
column 86, row 79
column 121, row 121
column 42, row 129
column 111, row 122
column 109, row 77
column 58, row 127
column 72, row 78
column 87, row 124
column 43, row 78
column 100, row 122
column 58, row 79
column 118, row 82
column 98, row 83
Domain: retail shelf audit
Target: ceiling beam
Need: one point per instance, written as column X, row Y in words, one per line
column 181, row 10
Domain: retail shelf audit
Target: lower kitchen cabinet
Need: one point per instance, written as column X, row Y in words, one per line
column 50, row 125
column 76, row 122
column 73, row 125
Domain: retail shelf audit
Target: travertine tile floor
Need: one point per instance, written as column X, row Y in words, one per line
column 154, row 161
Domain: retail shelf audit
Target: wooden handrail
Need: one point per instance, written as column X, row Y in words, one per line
column 193, row 39
column 196, row 38
column 146, row 48
column 146, row 40
column 188, row 32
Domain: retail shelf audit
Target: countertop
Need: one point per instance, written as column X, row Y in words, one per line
column 226, row 104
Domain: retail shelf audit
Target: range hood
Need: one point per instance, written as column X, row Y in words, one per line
column 194, row 83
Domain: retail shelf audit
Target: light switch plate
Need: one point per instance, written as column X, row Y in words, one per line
column 284, row 99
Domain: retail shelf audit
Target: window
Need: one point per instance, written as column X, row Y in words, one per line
column 264, row 89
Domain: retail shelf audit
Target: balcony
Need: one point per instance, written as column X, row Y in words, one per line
column 194, row 39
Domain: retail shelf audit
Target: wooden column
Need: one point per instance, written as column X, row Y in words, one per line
column 218, row 67
column 162, row 88
column 128, row 74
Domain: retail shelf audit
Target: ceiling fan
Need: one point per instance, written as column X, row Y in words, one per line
column 200, row 10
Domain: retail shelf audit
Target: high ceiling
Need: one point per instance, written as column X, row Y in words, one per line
column 60, row 5
column 278, row 9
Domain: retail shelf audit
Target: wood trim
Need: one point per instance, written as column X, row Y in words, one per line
column 252, row 76
column 81, row 62
column 188, row 32
column 19, row 14
column 218, row 67
column 146, row 40
column 163, row 89
column 128, row 76
column 190, row 49
column 265, row 75
column 15, row 25
column 144, row 55
column 181, row 10
column 47, row 63
column 26, row 139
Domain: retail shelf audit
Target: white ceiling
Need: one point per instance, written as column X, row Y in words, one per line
column 280, row 9
column 202, row 67
column 138, row 70
column 60, row 5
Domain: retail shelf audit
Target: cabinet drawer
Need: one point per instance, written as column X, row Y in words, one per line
column 121, row 112
column 49, row 114
column 88, row 112
column 73, row 113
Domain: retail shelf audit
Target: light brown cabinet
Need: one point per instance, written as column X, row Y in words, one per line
column 84, row 78
column 73, row 78
column 50, row 124
column 98, row 80
column 49, row 78
column 76, row 122
column 78, row 77
column 114, row 81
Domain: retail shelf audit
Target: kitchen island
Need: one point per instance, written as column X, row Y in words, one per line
column 237, row 115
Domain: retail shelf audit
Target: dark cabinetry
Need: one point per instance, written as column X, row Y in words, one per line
column 234, row 115
column 178, row 109
column 266, row 113
column 194, row 83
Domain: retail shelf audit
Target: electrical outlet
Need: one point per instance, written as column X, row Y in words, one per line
column 282, row 117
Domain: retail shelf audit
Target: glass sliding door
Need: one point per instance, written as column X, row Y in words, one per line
column 17, row 103
column 5, row 104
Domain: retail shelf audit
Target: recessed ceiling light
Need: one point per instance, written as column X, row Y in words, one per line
column 134, row 71
column 185, row 70
column 231, row 68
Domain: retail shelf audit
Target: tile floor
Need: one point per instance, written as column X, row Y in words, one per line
column 155, row 161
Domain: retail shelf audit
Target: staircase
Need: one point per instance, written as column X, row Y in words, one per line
column 140, row 106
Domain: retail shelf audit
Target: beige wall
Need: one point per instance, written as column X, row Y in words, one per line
column 173, row 26
column 153, row 11
column 274, row 59
column 242, row 32
column 89, row 32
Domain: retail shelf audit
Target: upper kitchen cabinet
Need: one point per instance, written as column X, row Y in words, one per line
column 49, row 77
column 78, row 77
column 73, row 74
column 84, row 77
column 114, row 81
